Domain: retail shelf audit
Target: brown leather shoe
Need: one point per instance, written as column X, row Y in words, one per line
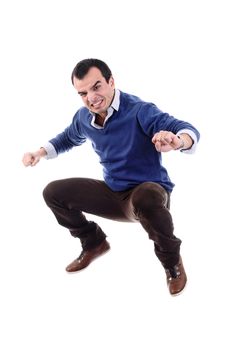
column 176, row 278
column 87, row 256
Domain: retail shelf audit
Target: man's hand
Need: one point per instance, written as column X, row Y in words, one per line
column 32, row 158
column 166, row 141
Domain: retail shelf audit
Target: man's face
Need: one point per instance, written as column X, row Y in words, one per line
column 96, row 93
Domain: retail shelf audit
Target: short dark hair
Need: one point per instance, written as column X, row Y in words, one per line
column 82, row 68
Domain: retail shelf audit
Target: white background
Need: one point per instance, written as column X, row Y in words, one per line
column 176, row 54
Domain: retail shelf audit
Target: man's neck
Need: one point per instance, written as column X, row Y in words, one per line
column 99, row 120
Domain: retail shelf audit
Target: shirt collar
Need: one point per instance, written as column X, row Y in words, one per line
column 116, row 100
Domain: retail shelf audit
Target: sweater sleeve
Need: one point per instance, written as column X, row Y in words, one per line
column 152, row 120
column 70, row 137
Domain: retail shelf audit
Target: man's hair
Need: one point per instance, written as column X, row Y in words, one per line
column 83, row 67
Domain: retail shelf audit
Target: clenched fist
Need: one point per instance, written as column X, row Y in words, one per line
column 32, row 158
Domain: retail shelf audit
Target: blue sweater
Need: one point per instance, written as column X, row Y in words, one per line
column 124, row 143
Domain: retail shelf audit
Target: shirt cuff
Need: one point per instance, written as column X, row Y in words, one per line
column 193, row 136
column 50, row 149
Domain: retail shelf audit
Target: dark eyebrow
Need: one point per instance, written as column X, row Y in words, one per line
column 84, row 92
column 98, row 81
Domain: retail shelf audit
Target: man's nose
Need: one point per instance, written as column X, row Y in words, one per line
column 91, row 96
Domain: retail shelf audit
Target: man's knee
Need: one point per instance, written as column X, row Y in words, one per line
column 149, row 195
column 49, row 191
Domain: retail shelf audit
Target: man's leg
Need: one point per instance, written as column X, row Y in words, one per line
column 68, row 199
column 150, row 203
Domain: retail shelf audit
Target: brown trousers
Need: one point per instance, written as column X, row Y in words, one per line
column 147, row 203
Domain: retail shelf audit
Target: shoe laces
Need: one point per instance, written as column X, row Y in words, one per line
column 81, row 255
column 173, row 272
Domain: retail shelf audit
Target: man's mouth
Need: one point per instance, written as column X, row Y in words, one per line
column 97, row 104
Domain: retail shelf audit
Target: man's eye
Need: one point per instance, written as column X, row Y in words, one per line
column 96, row 87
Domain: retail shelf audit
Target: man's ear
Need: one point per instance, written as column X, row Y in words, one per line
column 111, row 81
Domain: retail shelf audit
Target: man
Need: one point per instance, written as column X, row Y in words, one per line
column 129, row 135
